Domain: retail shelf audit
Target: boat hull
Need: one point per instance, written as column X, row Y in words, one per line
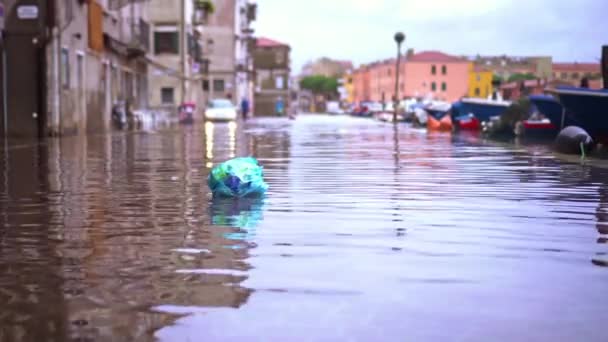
column 587, row 109
column 483, row 111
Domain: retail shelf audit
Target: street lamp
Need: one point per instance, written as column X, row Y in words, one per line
column 399, row 38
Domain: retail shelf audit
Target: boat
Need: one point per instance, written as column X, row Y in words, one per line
column 549, row 107
column 585, row 108
column 444, row 124
column 483, row 110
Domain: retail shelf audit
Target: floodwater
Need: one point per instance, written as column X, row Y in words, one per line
column 366, row 234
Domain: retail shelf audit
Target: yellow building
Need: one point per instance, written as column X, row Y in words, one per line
column 480, row 82
column 349, row 88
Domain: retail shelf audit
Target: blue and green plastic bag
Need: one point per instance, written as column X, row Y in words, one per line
column 239, row 177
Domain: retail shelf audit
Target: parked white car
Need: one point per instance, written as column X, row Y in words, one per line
column 220, row 110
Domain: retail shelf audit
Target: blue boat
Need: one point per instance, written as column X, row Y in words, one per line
column 549, row 107
column 482, row 109
column 585, row 108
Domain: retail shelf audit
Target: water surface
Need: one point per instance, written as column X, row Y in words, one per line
column 367, row 233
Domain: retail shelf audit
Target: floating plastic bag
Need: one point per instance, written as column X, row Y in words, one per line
column 237, row 177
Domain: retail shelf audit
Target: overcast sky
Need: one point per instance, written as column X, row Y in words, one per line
column 362, row 30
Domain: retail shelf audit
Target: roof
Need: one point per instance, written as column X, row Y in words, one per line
column 435, row 56
column 580, row 67
column 267, row 42
column 481, row 68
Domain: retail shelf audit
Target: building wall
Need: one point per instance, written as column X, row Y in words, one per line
column 86, row 80
column 221, row 31
column 480, row 83
column 361, row 84
column 272, row 79
column 419, row 80
column 181, row 76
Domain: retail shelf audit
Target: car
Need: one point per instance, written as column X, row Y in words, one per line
column 220, row 110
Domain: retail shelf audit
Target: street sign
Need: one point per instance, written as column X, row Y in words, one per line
column 27, row 12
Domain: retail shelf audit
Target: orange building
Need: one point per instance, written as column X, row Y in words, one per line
column 361, row 84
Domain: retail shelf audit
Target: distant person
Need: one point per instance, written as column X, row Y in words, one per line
column 279, row 106
column 585, row 82
column 245, row 108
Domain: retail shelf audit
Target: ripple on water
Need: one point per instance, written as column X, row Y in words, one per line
column 365, row 232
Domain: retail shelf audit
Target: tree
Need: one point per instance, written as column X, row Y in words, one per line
column 496, row 79
column 521, row 77
column 319, row 84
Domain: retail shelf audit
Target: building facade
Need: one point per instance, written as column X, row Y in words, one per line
column 82, row 57
column 480, row 82
column 361, row 84
column 228, row 41
column 272, row 71
column 574, row 72
column 429, row 74
column 436, row 75
column 327, row 67
column 505, row 66
column 176, row 56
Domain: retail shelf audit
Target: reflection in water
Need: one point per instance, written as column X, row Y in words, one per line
column 244, row 213
column 114, row 238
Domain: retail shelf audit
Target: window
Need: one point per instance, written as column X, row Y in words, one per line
column 218, row 85
column 433, row 70
column 390, row 71
column 279, row 57
column 477, row 92
column 575, row 75
column 278, row 82
column 65, row 68
column 444, row 86
column 444, row 70
column 564, row 75
column 478, row 78
column 205, row 85
column 433, row 86
column 166, row 40
column 167, row 95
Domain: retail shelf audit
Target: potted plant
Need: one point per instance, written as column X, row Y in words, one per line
column 204, row 5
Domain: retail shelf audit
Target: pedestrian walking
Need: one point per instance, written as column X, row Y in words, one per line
column 244, row 108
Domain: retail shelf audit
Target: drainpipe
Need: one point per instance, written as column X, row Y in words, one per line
column 56, row 122
column 4, row 85
column 183, row 46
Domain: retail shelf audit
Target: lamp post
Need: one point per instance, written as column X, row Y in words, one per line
column 399, row 38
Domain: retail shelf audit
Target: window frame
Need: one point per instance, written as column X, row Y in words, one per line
column 166, row 30
column 217, row 81
column 162, row 97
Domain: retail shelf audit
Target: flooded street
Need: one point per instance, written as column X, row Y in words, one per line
column 366, row 234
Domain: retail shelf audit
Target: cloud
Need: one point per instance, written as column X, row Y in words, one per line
column 362, row 30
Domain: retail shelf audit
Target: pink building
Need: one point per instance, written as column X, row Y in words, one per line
column 436, row 74
column 431, row 73
column 382, row 80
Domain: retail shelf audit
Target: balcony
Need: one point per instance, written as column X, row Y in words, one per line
column 141, row 35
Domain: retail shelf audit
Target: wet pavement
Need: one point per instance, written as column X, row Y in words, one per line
column 366, row 234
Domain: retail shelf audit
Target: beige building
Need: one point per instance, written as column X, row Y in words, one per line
column 327, row 67
column 177, row 68
column 93, row 57
column 228, row 38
